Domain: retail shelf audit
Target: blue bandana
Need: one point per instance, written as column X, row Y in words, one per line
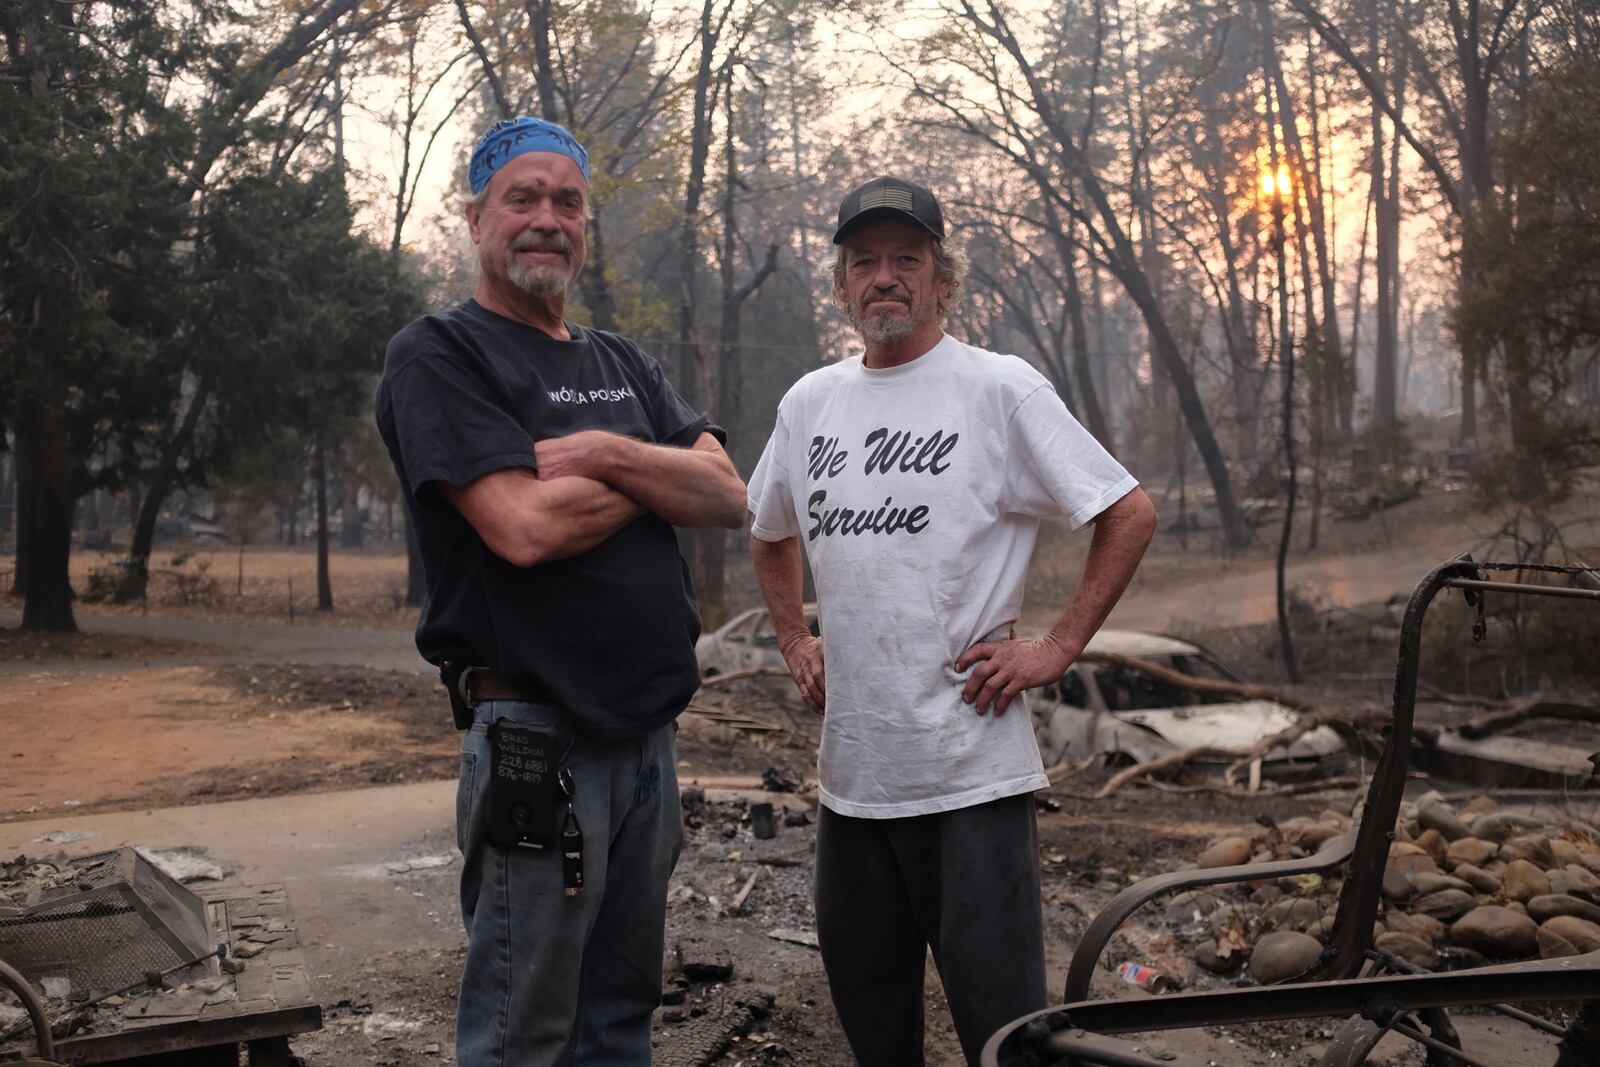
column 509, row 138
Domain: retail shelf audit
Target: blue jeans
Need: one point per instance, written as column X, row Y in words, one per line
column 552, row 979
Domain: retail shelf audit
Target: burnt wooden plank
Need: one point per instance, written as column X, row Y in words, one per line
column 177, row 1036
column 255, row 981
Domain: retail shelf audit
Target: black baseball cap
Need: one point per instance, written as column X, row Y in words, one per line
column 890, row 198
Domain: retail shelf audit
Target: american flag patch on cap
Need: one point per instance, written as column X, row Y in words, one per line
column 899, row 199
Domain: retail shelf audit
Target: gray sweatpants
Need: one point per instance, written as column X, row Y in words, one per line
column 552, row 979
column 964, row 883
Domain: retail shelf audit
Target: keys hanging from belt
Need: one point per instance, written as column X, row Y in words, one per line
column 571, row 840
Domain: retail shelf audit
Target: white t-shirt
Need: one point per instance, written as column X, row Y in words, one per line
column 917, row 493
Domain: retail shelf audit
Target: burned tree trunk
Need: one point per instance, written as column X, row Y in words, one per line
column 8, row 493
column 162, row 481
column 705, row 548
column 1286, row 359
column 1083, row 379
column 319, row 474
column 351, row 532
column 44, row 478
column 24, row 507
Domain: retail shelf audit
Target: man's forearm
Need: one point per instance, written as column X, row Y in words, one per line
column 527, row 520
column 779, row 574
column 580, row 513
column 685, row 486
column 1001, row 670
column 695, row 487
column 1121, row 534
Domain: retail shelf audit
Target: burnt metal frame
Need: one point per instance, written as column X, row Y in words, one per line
column 134, row 885
column 13, row 980
column 1332, row 986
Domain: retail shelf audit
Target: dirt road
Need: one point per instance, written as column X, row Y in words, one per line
column 233, row 641
column 1238, row 599
column 1250, row 599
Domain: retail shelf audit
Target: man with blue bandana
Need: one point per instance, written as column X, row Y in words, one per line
column 544, row 466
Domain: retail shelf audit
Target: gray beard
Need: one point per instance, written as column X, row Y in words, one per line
column 542, row 280
column 877, row 329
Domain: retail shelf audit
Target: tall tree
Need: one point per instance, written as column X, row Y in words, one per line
column 713, row 21
column 107, row 161
column 421, row 114
column 77, row 263
column 1534, row 291
column 290, row 309
column 1457, row 52
column 1276, row 119
column 1047, row 147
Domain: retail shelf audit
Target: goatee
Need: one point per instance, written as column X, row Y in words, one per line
column 877, row 328
column 542, row 280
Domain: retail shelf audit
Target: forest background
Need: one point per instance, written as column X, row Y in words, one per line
column 1288, row 259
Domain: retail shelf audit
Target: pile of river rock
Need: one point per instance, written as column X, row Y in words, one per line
column 1463, row 887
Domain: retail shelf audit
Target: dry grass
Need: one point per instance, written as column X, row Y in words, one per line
column 368, row 586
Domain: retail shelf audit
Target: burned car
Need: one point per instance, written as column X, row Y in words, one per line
column 745, row 641
column 1127, row 715
column 1131, row 716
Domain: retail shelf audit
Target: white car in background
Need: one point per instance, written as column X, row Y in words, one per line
column 1122, row 714
column 747, row 640
column 1130, row 716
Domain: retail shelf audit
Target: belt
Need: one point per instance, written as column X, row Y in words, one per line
column 480, row 683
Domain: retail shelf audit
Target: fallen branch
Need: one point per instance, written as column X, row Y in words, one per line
column 1224, row 686
column 1494, row 722
column 1156, row 766
column 738, row 676
column 1425, row 689
column 1348, row 722
column 738, row 901
column 1062, row 771
column 1433, row 692
column 1324, row 785
column 733, row 719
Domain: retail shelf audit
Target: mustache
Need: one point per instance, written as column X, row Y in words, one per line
column 548, row 242
column 899, row 296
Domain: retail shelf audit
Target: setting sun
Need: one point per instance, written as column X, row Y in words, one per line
column 1285, row 184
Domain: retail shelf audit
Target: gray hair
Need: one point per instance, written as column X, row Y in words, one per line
column 950, row 263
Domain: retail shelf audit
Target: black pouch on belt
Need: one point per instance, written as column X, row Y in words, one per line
column 522, row 786
column 450, row 673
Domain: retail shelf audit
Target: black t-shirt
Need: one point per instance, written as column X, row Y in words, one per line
column 607, row 635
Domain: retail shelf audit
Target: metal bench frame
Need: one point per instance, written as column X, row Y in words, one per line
column 1334, row 986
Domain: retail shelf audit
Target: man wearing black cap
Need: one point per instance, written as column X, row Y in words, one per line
column 544, row 466
column 915, row 476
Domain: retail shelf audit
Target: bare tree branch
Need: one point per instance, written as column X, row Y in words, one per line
column 501, row 101
column 1335, row 40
